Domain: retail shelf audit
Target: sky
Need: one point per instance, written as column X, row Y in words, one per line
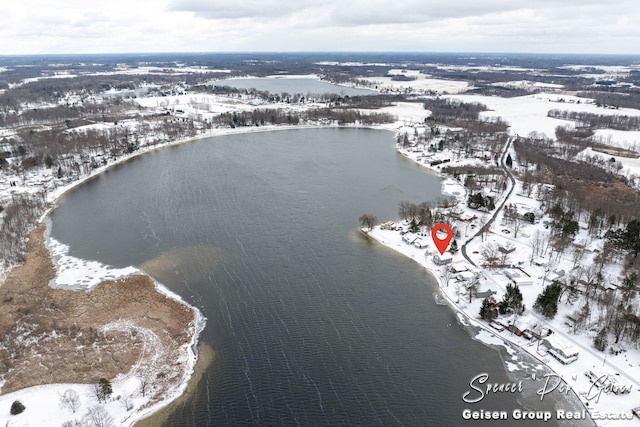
column 119, row 26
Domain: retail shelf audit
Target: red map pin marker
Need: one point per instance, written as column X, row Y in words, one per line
column 441, row 244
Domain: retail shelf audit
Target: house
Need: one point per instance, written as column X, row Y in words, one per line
column 467, row 276
column 524, row 326
column 507, row 248
column 540, row 262
column 518, row 277
column 484, row 294
column 608, row 382
column 523, row 281
column 466, row 217
column 459, row 267
column 560, row 349
column 442, row 259
column 410, row 238
column 389, row 225
column 420, row 243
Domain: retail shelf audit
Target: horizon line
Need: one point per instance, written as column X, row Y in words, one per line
column 319, row 52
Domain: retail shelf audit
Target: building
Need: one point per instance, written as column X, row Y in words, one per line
column 410, row 238
column 420, row 243
column 519, row 277
column 442, row 259
column 562, row 350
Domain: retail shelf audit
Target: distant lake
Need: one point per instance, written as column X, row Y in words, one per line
column 294, row 85
column 313, row 323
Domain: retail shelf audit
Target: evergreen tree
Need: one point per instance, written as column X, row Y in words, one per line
column 490, row 203
column 103, row 390
column 601, row 340
column 488, row 310
column 547, row 300
column 511, row 301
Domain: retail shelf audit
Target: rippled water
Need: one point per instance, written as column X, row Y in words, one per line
column 313, row 323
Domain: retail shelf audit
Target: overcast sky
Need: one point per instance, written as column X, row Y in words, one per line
column 112, row 26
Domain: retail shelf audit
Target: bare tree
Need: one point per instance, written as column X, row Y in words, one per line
column 367, row 220
column 127, row 401
column 98, row 416
column 517, row 225
column 447, row 275
column 70, row 400
column 144, row 385
column 578, row 252
column 490, row 254
column 484, row 230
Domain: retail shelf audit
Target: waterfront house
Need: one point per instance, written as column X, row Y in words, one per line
column 562, row 350
column 442, row 259
column 420, row 243
column 410, row 238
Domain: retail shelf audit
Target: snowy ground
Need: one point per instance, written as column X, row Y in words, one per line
column 127, row 404
column 422, row 84
column 624, row 367
column 526, row 114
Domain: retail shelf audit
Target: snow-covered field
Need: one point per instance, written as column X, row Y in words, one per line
column 422, row 84
column 527, row 114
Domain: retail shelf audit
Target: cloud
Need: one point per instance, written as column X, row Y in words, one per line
column 32, row 26
column 224, row 9
column 377, row 12
column 341, row 13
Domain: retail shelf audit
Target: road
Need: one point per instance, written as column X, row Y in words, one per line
column 512, row 180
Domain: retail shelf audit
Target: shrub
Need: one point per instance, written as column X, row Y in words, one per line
column 17, row 408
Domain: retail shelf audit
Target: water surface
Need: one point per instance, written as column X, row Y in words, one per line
column 312, row 323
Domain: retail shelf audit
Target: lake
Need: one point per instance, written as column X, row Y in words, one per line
column 313, row 323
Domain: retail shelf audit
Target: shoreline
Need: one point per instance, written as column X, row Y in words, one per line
column 199, row 322
column 222, row 132
column 467, row 319
column 607, row 409
column 127, row 330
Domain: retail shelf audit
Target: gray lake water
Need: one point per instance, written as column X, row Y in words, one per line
column 313, row 323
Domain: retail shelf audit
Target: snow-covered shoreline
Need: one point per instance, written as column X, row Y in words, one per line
column 388, row 239
column 78, row 274
column 606, row 408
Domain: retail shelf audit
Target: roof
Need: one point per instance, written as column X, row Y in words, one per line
column 561, row 344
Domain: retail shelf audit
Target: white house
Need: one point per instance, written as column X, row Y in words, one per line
column 442, row 259
column 560, row 349
column 518, row 277
column 410, row 238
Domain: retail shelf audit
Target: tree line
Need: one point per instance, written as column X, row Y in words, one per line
column 598, row 121
column 279, row 116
